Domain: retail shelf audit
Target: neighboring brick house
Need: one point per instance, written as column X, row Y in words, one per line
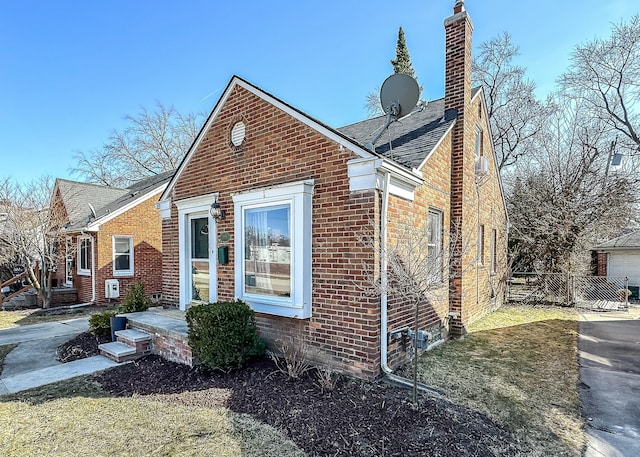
column 297, row 193
column 111, row 234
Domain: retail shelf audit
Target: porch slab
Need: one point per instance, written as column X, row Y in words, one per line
column 157, row 322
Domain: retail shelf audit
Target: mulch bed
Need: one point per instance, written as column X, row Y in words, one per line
column 355, row 418
column 82, row 346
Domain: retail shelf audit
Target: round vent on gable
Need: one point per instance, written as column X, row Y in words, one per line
column 237, row 133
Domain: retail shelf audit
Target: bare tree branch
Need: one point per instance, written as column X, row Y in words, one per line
column 152, row 142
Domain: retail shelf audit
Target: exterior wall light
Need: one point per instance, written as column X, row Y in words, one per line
column 216, row 212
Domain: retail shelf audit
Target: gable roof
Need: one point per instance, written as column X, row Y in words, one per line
column 626, row 241
column 108, row 202
column 77, row 196
column 336, row 135
column 409, row 140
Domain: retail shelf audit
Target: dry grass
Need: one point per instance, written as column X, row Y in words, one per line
column 9, row 319
column 519, row 366
column 4, row 350
column 90, row 423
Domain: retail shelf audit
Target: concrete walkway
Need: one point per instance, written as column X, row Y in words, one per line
column 609, row 350
column 33, row 362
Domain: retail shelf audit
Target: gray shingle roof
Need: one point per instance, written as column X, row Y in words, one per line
column 629, row 240
column 77, row 196
column 105, row 200
column 409, row 140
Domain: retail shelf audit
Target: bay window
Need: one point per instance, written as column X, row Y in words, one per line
column 273, row 249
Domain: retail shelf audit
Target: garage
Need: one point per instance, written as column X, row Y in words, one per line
column 624, row 263
column 623, row 259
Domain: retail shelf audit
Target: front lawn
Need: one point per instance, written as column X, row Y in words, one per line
column 9, row 319
column 85, row 421
column 519, row 366
column 515, row 376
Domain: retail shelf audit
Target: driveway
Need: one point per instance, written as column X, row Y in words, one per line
column 609, row 351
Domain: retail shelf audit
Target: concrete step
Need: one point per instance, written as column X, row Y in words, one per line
column 134, row 335
column 137, row 339
column 119, row 352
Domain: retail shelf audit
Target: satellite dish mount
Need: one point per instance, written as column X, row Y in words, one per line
column 398, row 95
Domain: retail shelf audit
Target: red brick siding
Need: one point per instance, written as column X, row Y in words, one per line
column 601, row 259
column 434, row 193
column 279, row 149
column 474, row 200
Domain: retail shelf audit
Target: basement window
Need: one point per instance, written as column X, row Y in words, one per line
column 273, row 249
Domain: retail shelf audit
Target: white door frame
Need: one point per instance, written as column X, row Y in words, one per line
column 189, row 209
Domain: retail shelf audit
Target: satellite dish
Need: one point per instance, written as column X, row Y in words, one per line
column 399, row 95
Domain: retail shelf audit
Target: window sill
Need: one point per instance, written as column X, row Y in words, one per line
column 296, row 312
column 121, row 274
column 84, row 273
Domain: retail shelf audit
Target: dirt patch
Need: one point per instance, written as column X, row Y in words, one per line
column 354, row 419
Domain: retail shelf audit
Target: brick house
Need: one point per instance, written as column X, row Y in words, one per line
column 296, row 192
column 111, row 234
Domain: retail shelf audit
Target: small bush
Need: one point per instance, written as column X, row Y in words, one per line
column 136, row 299
column 291, row 356
column 99, row 324
column 224, row 334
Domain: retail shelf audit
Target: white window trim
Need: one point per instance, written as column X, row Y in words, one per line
column 494, row 241
column 299, row 196
column 128, row 272
column 81, row 271
column 439, row 236
column 68, row 261
column 192, row 206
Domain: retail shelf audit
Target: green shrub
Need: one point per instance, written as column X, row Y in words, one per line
column 99, row 324
column 136, row 299
column 224, row 334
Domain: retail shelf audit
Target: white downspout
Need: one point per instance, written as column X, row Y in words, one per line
column 93, row 270
column 384, row 316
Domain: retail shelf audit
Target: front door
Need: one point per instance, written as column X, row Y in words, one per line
column 200, row 259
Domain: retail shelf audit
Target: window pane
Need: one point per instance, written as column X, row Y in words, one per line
column 122, row 246
column 200, row 238
column 123, row 262
column 267, row 250
column 85, row 254
column 200, row 281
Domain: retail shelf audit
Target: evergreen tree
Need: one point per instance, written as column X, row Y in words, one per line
column 402, row 62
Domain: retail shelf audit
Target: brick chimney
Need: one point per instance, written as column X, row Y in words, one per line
column 457, row 77
column 457, row 96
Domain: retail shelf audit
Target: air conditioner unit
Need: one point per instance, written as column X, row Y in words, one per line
column 482, row 166
column 111, row 288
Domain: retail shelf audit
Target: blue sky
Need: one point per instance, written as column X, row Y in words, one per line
column 71, row 70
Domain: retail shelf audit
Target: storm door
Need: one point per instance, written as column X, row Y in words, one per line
column 199, row 259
